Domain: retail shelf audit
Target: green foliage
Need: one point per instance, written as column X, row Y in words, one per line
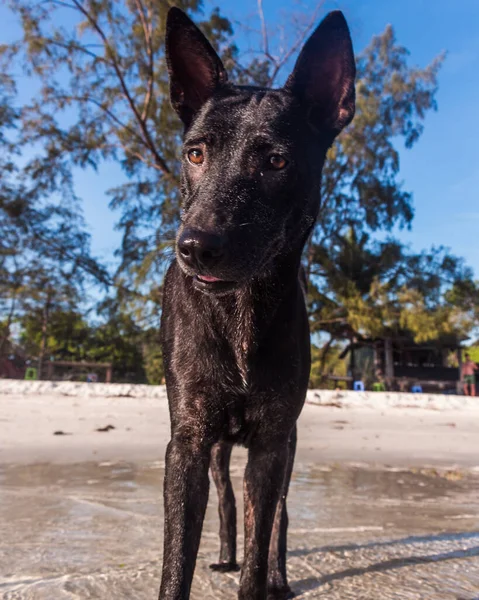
column 380, row 289
column 153, row 358
column 473, row 352
column 120, row 342
column 326, row 361
column 71, row 338
column 67, row 338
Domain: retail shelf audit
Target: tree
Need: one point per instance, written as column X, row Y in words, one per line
column 67, row 337
column 357, row 286
column 8, row 283
column 119, row 340
column 360, row 187
column 153, row 360
column 327, row 361
column 44, row 248
column 45, row 258
column 381, row 289
column 103, row 95
column 72, row 337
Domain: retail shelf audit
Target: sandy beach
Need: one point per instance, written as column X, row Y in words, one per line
column 384, row 499
column 339, row 430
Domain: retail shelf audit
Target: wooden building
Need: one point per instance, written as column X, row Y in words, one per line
column 68, row 370
column 400, row 363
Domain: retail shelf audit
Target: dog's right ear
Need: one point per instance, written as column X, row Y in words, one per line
column 195, row 69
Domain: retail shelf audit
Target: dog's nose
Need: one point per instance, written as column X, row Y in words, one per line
column 200, row 249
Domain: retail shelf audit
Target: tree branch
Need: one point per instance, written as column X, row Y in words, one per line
column 279, row 63
column 264, row 32
column 149, row 51
column 79, row 48
column 107, row 111
column 141, row 122
column 324, row 354
column 138, row 156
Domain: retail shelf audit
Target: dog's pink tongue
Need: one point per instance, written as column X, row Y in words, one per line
column 208, row 278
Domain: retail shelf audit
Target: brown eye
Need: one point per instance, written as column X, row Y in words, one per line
column 277, row 162
column 196, row 156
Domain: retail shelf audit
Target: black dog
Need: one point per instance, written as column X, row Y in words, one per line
column 234, row 324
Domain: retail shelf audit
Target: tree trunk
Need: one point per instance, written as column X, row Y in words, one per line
column 460, row 384
column 6, row 331
column 352, row 363
column 388, row 362
column 324, row 354
column 309, row 258
column 43, row 346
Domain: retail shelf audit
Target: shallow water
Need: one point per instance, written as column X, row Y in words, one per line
column 95, row 531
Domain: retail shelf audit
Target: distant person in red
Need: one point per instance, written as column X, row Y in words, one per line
column 469, row 369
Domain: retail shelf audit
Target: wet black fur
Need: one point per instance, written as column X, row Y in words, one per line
column 237, row 351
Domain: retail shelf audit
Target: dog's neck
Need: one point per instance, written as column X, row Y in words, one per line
column 244, row 317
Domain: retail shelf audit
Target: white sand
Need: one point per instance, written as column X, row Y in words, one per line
column 380, row 429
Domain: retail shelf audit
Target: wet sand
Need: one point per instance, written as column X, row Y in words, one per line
column 95, row 531
column 81, row 515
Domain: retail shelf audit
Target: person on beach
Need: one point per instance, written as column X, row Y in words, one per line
column 469, row 369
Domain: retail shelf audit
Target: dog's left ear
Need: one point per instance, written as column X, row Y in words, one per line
column 323, row 77
column 195, row 69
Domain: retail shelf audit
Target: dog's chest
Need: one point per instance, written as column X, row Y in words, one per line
column 241, row 337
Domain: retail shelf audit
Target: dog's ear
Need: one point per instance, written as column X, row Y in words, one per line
column 323, row 77
column 194, row 67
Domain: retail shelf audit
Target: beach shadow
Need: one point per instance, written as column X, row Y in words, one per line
column 311, row 583
column 413, row 539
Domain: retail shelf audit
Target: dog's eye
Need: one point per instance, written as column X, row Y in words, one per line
column 277, row 162
column 196, row 156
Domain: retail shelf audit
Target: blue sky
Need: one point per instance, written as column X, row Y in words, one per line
column 442, row 170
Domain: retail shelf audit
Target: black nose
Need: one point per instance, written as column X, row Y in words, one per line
column 200, row 249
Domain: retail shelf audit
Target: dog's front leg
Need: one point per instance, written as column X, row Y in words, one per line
column 186, row 496
column 264, row 477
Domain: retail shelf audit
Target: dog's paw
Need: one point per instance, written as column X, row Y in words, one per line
column 225, row 567
column 284, row 593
